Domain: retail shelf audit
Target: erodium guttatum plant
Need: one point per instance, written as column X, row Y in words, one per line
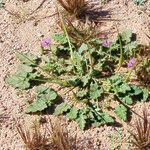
column 87, row 74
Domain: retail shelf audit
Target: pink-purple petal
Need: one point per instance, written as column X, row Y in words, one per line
column 131, row 63
column 45, row 42
column 106, row 43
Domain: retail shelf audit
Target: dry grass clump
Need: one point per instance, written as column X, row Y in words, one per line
column 141, row 133
column 33, row 139
column 51, row 136
column 74, row 7
column 59, row 136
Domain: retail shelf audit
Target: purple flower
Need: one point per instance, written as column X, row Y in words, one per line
column 131, row 63
column 106, row 43
column 45, row 42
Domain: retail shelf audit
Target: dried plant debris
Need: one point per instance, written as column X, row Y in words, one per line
column 141, row 132
column 47, row 136
column 59, row 135
column 73, row 7
column 33, row 139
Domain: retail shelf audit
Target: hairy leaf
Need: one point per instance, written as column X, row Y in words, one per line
column 60, row 38
column 45, row 98
column 19, row 80
column 145, row 95
column 128, row 100
column 82, row 93
column 106, row 118
column 28, row 59
column 73, row 113
column 95, row 91
column 38, row 105
column 25, row 68
column 81, row 120
column 126, row 36
column 135, row 90
column 124, row 88
column 121, row 112
column 83, row 48
column 85, row 79
column 61, row 108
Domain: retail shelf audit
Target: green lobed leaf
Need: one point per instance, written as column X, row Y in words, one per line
column 82, row 93
column 126, row 92
column 46, row 58
column 81, row 120
column 95, row 91
column 61, row 108
column 123, row 88
column 141, row 93
column 34, row 75
column 74, row 81
column 38, row 105
column 77, row 61
column 139, row 2
column 106, row 118
column 60, row 38
column 24, row 68
column 83, row 48
column 121, row 112
column 41, row 89
column 28, row 59
column 130, row 46
column 145, row 95
column 19, row 80
column 126, row 36
column 85, row 79
column 73, row 113
column 135, row 90
column 49, row 67
column 51, row 95
column 54, row 48
column 128, row 100
column 45, row 98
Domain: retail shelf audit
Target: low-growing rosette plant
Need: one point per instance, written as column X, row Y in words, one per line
column 87, row 72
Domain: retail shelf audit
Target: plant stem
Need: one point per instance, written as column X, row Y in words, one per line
column 52, row 80
column 129, row 74
column 67, row 36
column 90, row 60
column 121, row 51
column 41, row 50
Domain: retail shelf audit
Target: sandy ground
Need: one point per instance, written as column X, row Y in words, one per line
column 23, row 33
